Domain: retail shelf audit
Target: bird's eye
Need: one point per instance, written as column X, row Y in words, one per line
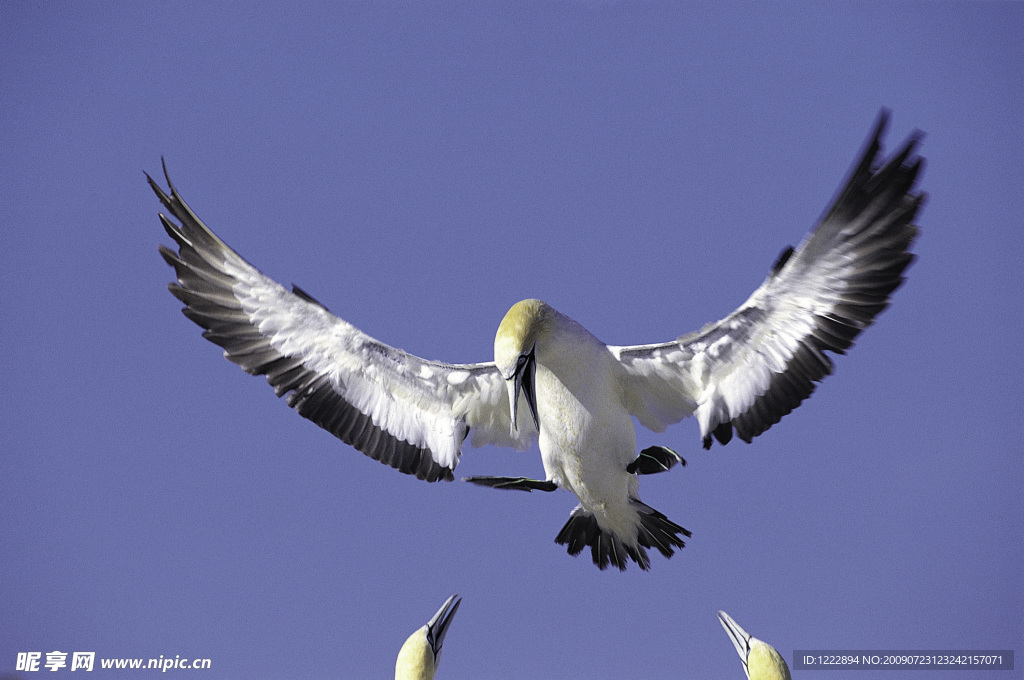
column 521, row 360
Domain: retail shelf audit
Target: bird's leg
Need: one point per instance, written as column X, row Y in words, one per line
column 654, row 459
column 520, row 483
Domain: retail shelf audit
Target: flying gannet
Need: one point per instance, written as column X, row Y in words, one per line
column 421, row 654
column 551, row 380
column 760, row 660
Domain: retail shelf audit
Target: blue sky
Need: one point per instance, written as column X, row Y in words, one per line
column 418, row 170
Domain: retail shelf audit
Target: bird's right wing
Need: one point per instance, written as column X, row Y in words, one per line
column 407, row 412
column 756, row 365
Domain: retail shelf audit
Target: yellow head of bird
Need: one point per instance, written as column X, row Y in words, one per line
column 420, row 655
column 515, row 353
column 760, row 660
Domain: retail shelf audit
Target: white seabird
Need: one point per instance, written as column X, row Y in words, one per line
column 551, row 380
column 421, row 654
column 760, row 660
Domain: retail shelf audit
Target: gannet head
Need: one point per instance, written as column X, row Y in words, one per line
column 420, row 655
column 515, row 352
column 760, row 660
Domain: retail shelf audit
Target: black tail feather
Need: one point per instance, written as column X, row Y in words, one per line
column 656, row 531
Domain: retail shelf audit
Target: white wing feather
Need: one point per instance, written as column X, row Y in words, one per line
column 753, row 367
column 407, row 412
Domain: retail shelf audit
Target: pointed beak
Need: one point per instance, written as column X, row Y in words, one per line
column 524, row 381
column 740, row 638
column 437, row 627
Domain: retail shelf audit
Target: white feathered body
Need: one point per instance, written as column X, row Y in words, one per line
column 587, row 437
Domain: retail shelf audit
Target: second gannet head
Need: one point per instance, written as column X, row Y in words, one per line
column 760, row 660
column 515, row 352
column 420, row 655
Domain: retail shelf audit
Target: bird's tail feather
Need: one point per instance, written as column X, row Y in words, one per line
column 655, row 531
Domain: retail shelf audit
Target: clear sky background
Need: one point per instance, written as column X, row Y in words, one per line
column 419, row 169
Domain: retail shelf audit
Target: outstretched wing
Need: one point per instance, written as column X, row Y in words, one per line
column 756, row 365
column 404, row 411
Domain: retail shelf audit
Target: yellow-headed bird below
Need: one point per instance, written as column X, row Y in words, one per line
column 760, row 660
column 421, row 654
column 553, row 382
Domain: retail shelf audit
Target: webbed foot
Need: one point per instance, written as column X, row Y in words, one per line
column 518, row 483
column 654, row 459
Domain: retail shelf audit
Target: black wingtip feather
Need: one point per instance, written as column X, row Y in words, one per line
column 723, row 433
column 781, row 261
column 870, row 220
column 308, row 298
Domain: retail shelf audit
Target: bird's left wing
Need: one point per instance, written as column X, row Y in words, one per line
column 757, row 364
column 407, row 412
